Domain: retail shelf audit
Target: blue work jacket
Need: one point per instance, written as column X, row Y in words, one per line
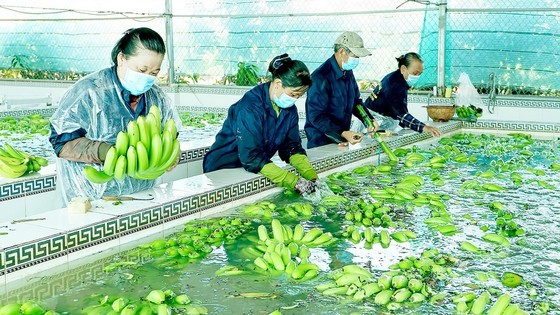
column 330, row 103
column 253, row 133
column 391, row 96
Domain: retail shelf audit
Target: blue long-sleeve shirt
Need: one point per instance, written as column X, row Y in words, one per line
column 58, row 140
column 330, row 103
column 390, row 99
column 253, row 133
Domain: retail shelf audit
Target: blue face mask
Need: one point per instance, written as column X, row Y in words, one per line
column 412, row 79
column 284, row 101
column 137, row 83
column 351, row 64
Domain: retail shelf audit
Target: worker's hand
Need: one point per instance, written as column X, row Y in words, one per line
column 304, row 186
column 434, row 131
column 372, row 129
column 351, row 136
column 174, row 164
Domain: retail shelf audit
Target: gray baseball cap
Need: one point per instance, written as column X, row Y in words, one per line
column 353, row 42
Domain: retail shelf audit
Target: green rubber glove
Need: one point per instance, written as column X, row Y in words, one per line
column 279, row 176
column 302, row 165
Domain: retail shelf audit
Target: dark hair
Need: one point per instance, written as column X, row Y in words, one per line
column 408, row 58
column 292, row 73
column 135, row 38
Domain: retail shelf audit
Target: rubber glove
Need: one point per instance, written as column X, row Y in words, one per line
column 279, row 176
column 302, row 165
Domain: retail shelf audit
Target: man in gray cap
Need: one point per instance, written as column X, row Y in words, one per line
column 333, row 97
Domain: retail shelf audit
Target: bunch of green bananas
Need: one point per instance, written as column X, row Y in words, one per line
column 156, row 302
column 301, row 210
column 470, row 303
column 370, row 236
column 287, row 251
column 15, row 163
column 470, row 111
column 26, row 308
column 32, row 124
column 263, row 209
column 142, row 152
column 196, row 241
column 410, row 280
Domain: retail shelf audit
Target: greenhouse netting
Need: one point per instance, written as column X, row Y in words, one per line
column 209, row 41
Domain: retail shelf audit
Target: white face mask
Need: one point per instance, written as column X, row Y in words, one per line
column 412, row 79
column 137, row 83
column 351, row 64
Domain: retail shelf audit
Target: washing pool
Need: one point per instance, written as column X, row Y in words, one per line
column 476, row 184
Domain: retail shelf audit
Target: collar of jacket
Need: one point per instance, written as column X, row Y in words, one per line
column 268, row 103
column 337, row 72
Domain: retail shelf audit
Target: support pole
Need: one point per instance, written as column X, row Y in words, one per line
column 441, row 48
column 169, row 40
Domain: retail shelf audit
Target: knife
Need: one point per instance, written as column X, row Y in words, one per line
column 123, row 198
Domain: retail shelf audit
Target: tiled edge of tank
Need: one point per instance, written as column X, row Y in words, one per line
column 48, row 111
column 27, row 187
column 512, row 125
column 501, row 101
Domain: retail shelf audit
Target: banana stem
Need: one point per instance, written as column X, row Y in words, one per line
column 392, row 157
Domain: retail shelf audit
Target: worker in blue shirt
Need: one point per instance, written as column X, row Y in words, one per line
column 265, row 121
column 332, row 99
column 97, row 107
column 390, row 97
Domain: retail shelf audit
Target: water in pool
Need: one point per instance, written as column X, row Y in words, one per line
column 454, row 218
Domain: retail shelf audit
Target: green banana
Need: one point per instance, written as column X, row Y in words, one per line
column 120, row 167
column 167, row 145
column 383, row 297
column 11, row 152
column 95, row 176
column 152, row 124
column 401, row 295
column 311, row 235
column 385, row 239
column 263, row 234
column 133, row 133
column 12, row 167
column 355, row 269
column 298, row 233
column 399, row 282
column 155, row 151
column 500, row 305
column 277, row 261
column 10, row 309
column 415, row 285
column 417, row 298
column 399, row 236
column 496, row 239
column 110, row 161
column 157, row 113
column 142, row 154
column 511, row 280
column 469, row 247
column 144, row 132
column 121, row 145
column 170, row 126
column 155, row 296
column 277, row 231
column 131, row 161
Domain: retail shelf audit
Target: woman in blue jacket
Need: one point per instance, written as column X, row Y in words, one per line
column 390, row 97
column 265, row 121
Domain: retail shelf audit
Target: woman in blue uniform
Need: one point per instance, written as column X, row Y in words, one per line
column 265, row 121
column 93, row 111
column 390, row 97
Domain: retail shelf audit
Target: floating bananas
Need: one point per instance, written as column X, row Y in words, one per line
column 15, row 163
column 407, row 281
column 155, row 302
column 144, row 151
